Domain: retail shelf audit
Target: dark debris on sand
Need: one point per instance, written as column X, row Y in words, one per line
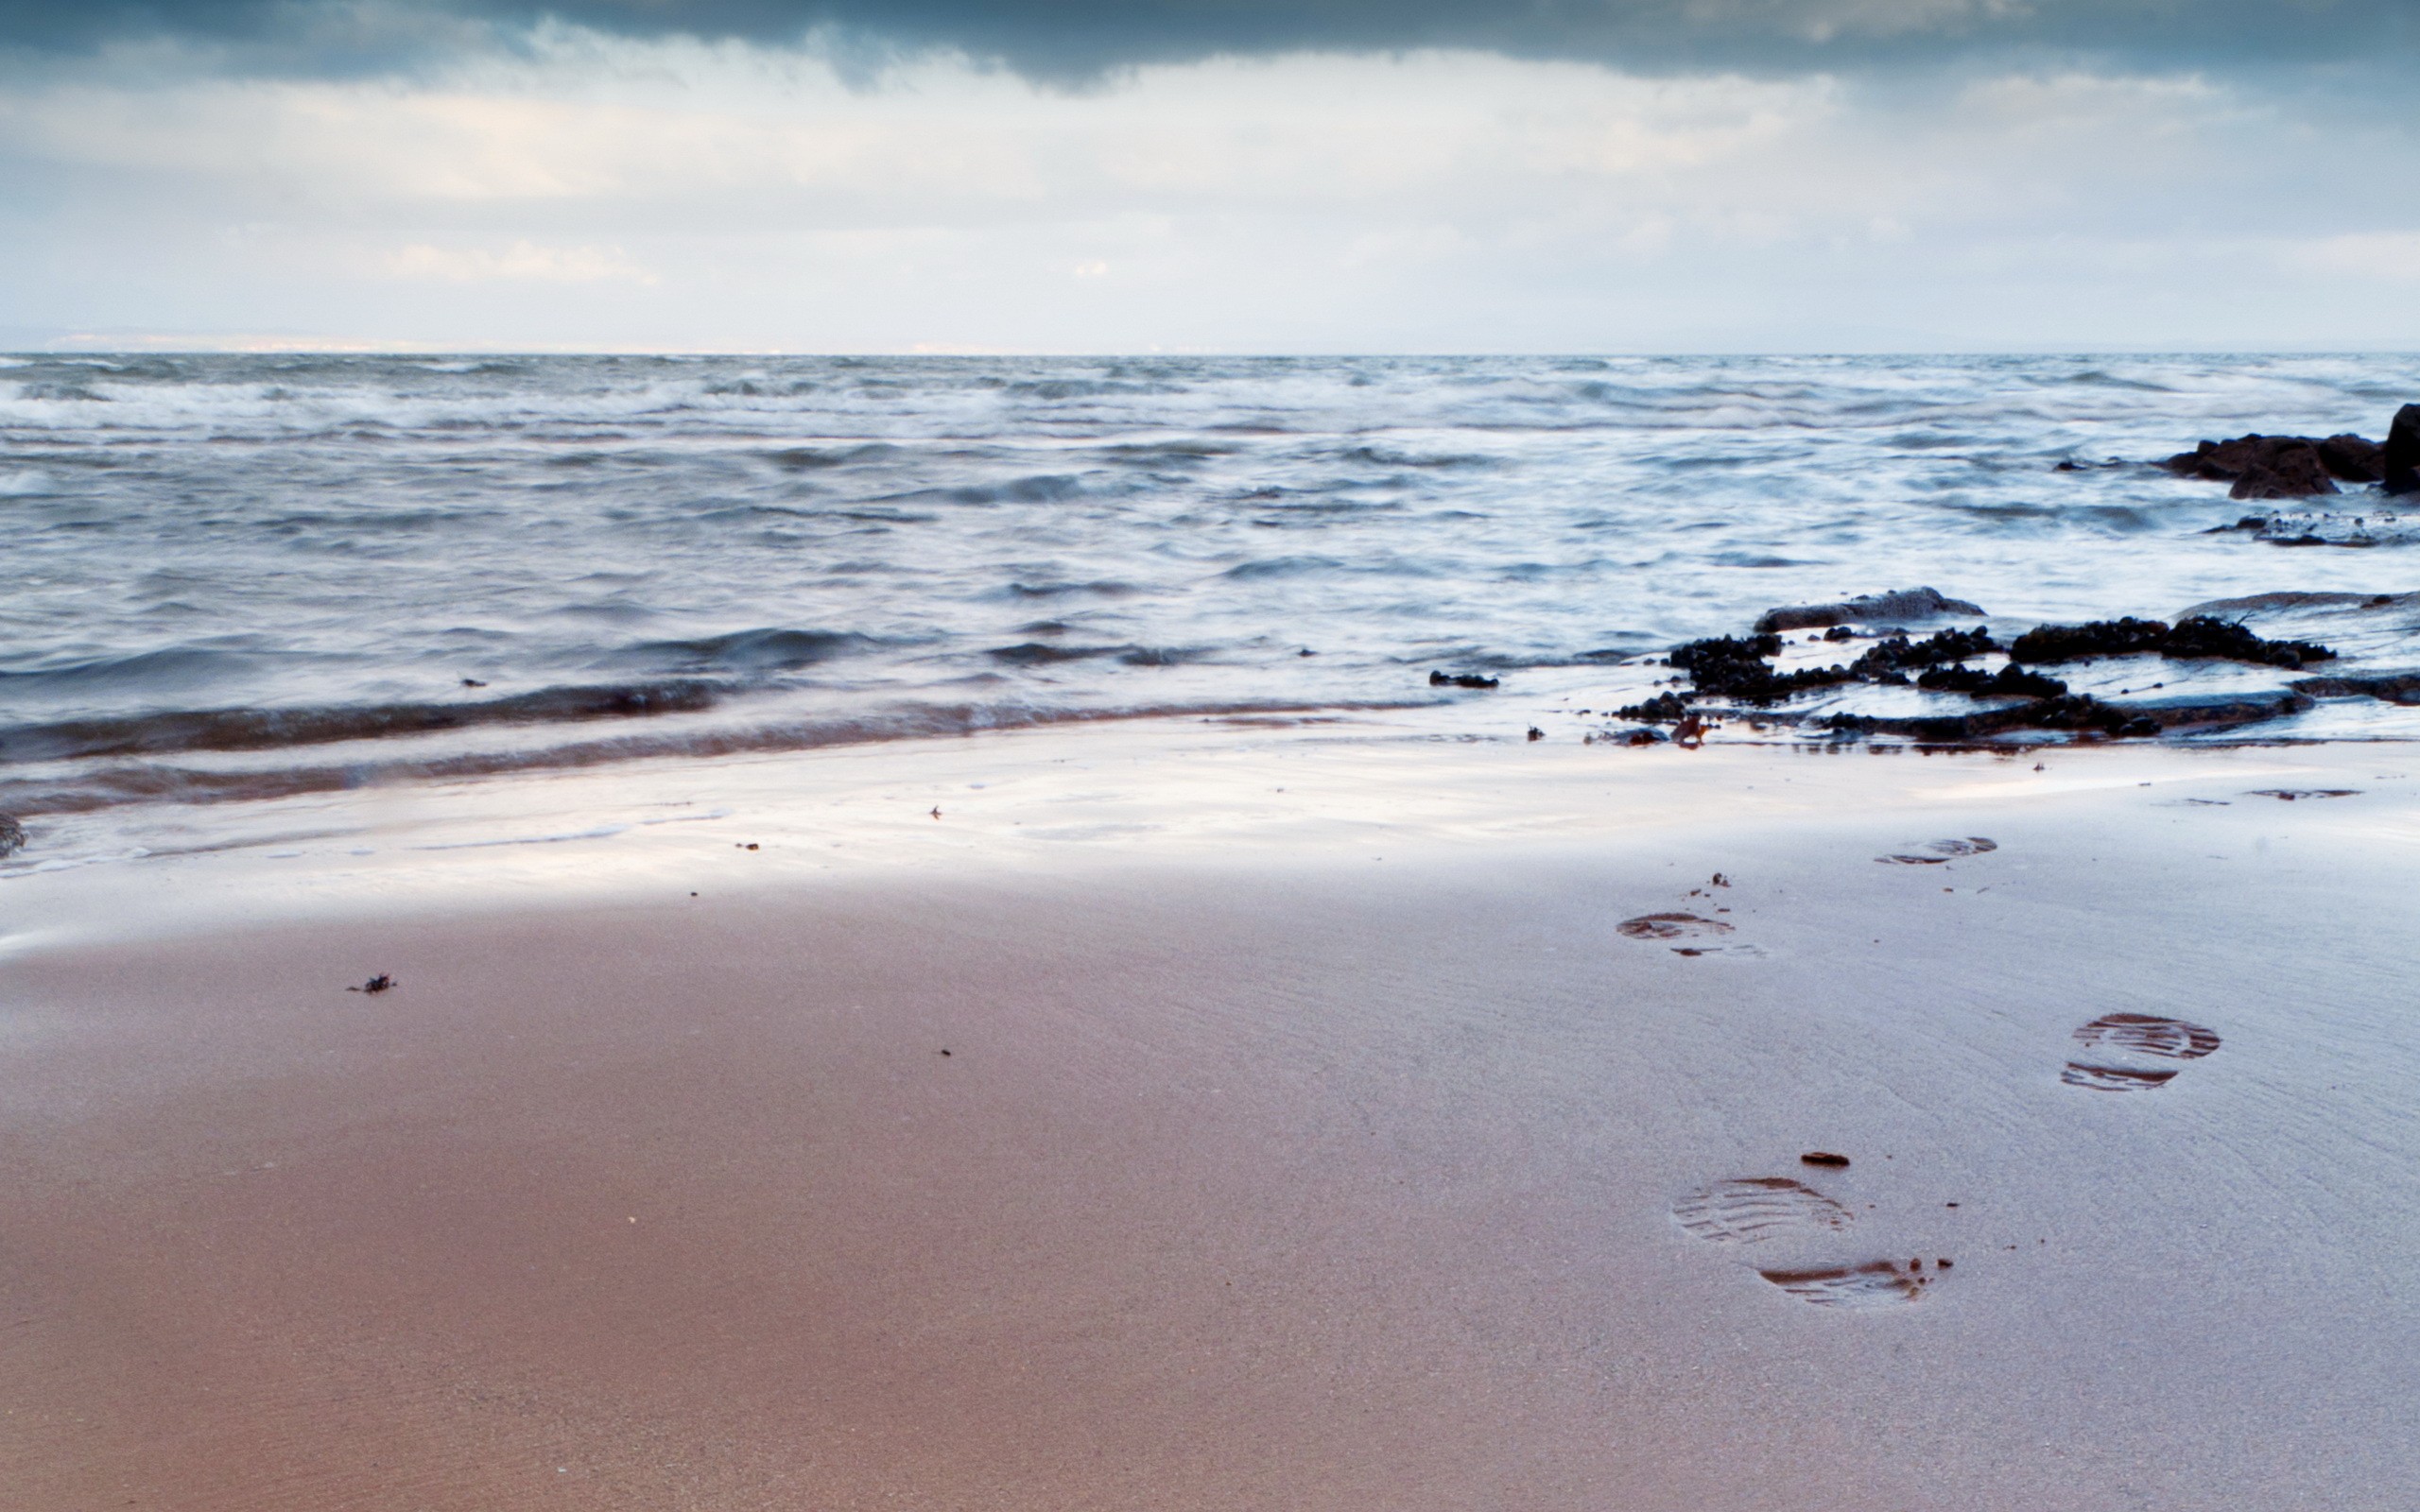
column 381, row 983
column 12, row 836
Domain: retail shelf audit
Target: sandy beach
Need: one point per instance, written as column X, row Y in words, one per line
column 1234, row 1147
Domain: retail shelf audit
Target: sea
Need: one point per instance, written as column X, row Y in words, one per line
column 237, row 578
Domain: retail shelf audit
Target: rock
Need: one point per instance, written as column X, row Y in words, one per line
column 2291, row 470
column 2353, row 459
column 2291, row 602
column 2389, row 687
column 2217, row 461
column 2086, row 716
column 12, row 836
column 1899, row 604
column 2399, row 461
column 1460, row 680
column 2272, row 467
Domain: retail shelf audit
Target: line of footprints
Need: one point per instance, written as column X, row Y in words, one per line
column 2114, row 1052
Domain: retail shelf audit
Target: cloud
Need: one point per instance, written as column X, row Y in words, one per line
column 612, row 193
column 2389, row 256
column 522, row 261
column 1080, row 41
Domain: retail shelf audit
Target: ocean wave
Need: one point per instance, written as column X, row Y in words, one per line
column 104, row 787
column 816, row 458
column 1101, row 588
column 234, row 730
column 1041, row 487
column 747, row 651
column 171, row 669
column 1269, row 567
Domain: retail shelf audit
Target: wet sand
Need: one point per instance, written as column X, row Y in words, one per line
column 1261, row 1175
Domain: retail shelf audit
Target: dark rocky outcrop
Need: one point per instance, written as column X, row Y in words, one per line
column 1888, row 660
column 1730, row 667
column 1736, row 667
column 2399, row 460
column 2010, row 681
column 1866, row 608
column 1739, row 669
column 12, row 836
column 2199, row 638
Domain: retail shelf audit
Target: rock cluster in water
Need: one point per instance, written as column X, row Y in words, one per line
column 2299, row 467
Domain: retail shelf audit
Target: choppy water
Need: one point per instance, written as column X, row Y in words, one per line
column 229, row 576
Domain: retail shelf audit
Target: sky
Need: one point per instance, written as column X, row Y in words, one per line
column 1225, row 176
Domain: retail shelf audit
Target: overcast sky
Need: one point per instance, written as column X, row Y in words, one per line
column 1220, row 175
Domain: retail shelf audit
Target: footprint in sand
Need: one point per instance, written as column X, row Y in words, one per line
column 1752, row 1208
column 1875, row 1283
column 1934, row 852
column 1696, row 934
column 1671, row 926
column 1755, row 1210
column 1687, row 934
column 2121, row 1052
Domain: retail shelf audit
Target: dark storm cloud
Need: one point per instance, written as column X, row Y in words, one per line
column 1076, row 38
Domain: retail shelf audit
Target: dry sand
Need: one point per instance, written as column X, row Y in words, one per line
column 1262, row 1174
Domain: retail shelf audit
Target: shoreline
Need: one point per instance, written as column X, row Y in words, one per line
column 1047, row 797
column 1262, row 1172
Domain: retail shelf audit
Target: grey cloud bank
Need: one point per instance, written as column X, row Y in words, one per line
column 1849, row 174
column 1079, row 40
